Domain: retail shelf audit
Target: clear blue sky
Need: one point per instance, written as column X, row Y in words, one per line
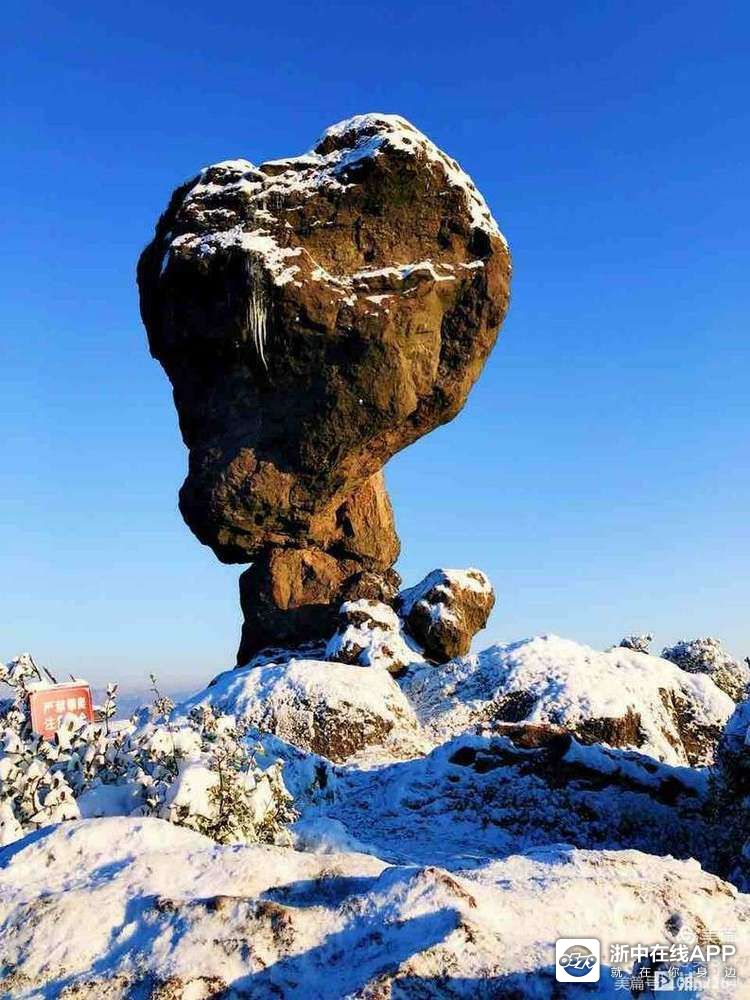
column 599, row 473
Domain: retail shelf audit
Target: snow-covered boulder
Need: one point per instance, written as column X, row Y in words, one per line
column 446, row 610
column 333, row 709
column 370, row 634
column 619, row 697
column 112, row 909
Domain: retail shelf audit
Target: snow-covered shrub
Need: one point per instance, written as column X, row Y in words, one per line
column 34, row 791
column 198, row 771
column 638, row 643
column 708, row 656
column 219, row 790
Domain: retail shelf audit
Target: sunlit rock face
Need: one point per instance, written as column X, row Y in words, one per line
column 315, row 315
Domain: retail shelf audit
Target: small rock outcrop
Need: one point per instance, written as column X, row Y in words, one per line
column 638, row 643
column 315, row 315
column 370, row 634
column 446, row 610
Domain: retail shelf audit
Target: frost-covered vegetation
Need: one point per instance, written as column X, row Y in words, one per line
column 199, row 771
column 708, row 656
column 638, row 643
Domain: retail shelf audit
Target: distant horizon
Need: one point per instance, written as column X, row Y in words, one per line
column 140, row 688
column 599, row 473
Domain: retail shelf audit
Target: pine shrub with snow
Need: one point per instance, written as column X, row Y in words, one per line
column 638, row 643
column 199, row 772
column 708, row 656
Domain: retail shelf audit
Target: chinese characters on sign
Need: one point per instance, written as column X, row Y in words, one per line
column 49, row 706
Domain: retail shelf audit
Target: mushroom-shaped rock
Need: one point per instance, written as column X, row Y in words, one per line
column 446, row 610
column 315, row 315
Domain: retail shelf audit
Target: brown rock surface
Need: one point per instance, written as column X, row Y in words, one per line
column 292, row 595
column 446, row 610
column 315, row 315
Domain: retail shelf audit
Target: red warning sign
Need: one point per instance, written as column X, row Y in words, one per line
column 50, row 705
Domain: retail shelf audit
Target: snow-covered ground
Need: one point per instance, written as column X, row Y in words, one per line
column 92, row 908
column 453, row 822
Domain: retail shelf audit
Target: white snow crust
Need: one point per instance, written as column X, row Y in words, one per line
column 367, row 136
column 99, row 904
column 566, row 684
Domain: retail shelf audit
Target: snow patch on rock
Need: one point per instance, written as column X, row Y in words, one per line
column 370, row 634
column 342, row 147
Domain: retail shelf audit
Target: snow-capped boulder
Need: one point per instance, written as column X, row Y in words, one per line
column 333, row 709
column 619, row 697
column 370, row 634
column 111, row 909
column 445, row 611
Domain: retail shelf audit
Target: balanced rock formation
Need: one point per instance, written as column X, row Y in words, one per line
column 315, row 315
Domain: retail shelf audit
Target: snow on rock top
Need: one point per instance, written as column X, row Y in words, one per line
column 370, row 634
column 371, row 132
column 119, row 908
column 441, row 580
column 445, row 610
column 325, row 167
column 333, row 709
column 618, row 697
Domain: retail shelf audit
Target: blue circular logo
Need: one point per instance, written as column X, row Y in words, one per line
column 578, row 960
